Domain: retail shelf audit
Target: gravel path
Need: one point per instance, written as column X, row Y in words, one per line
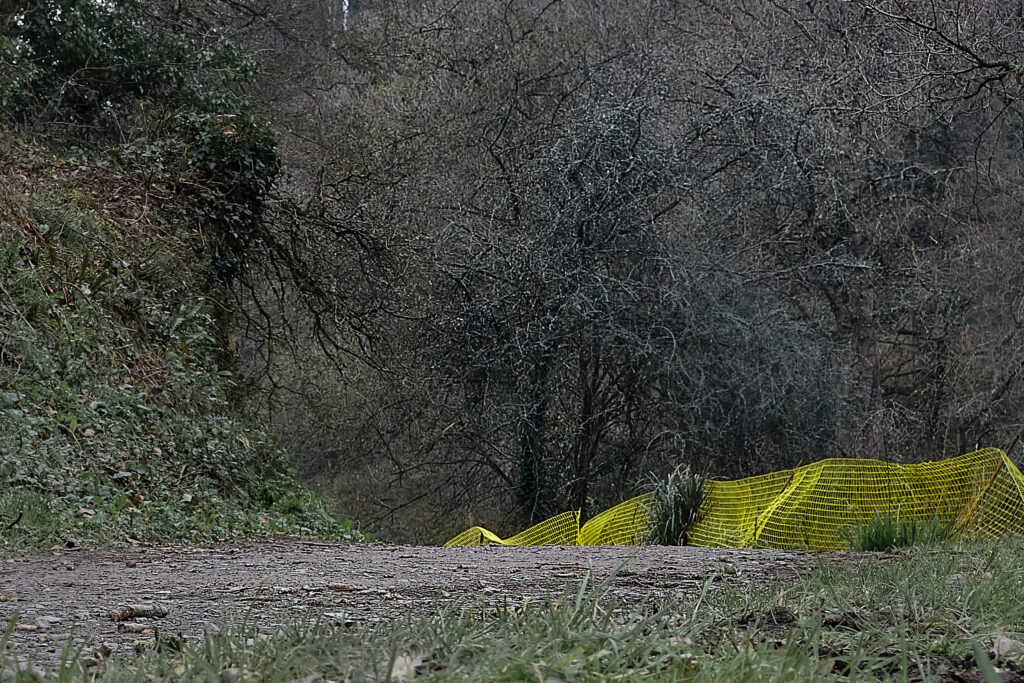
column 285, row 579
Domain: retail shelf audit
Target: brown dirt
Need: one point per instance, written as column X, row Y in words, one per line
column 288, row 578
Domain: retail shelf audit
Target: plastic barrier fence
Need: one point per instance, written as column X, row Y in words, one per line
column 978, row 494
column 625, row 524
column 563, row 529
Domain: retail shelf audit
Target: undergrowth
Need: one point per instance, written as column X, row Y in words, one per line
column 120, row 420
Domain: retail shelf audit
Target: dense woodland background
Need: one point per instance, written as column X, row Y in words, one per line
column 486, row 261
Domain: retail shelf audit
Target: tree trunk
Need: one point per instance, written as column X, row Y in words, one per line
column 535, row 496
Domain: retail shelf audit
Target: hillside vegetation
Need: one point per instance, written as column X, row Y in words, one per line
column 123, row 199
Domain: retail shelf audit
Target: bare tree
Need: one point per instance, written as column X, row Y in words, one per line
column 544, row 247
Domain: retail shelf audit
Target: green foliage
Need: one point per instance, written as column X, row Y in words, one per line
column 122, row 418
column 97, row 63
column 17, row 72
column 117, row 419
column 156, row 94
column 238, row 165
column 886, row 531
column 675, row 506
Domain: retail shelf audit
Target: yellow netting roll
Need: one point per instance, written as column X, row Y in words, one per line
column 475, row 536
column 563, row 529
column 736, row 506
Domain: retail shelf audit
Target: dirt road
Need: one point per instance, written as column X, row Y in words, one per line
column 286, row 579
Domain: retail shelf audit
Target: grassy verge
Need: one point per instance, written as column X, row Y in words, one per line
column 914, row 615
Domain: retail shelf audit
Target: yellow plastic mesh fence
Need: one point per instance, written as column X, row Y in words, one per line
column 810, row 507
column 563, row 529
column 625, row 524
column 978, row 494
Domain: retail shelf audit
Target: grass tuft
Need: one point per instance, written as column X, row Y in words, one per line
column 886, row 531
column 675, row 506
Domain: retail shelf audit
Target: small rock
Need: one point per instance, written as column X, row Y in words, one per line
column 341, row 618
column 405, row 667
column 175, row 643
column 345, row 587
column 127, row 612
column 232, row 675
column 97, row 654
column 1007, row 648
column 834, row 620
column 780, row 616
column 35, row 672
column 46, row 622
